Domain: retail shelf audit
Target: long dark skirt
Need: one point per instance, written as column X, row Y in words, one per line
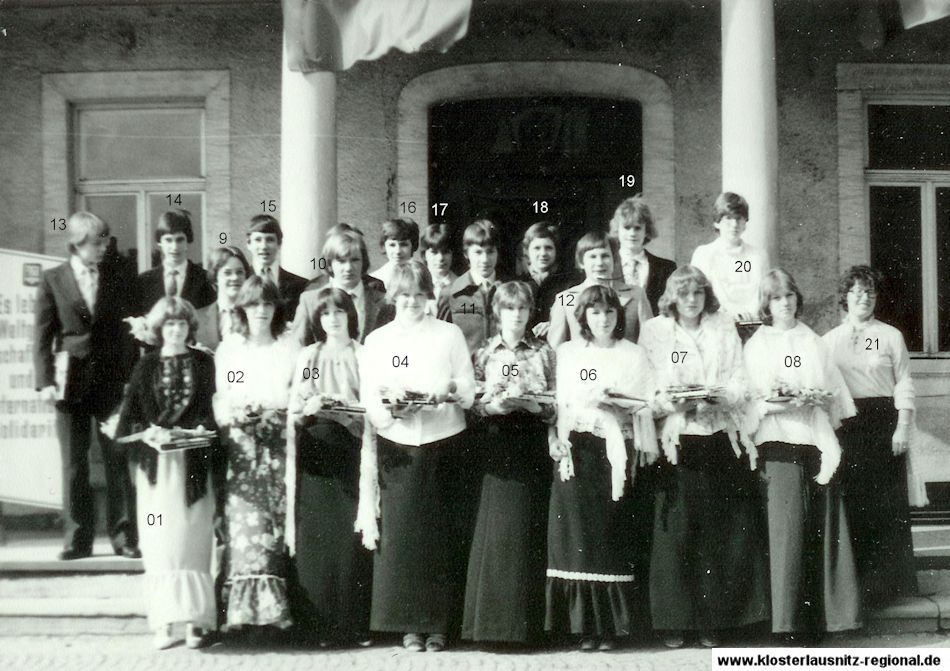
column 710, row 567
column 412, row 572
column 591, row 548
column 874, row 485
column 814, row 579
column 334, row 570
column 504, row 593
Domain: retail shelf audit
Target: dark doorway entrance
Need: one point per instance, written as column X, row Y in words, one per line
column 516, row 161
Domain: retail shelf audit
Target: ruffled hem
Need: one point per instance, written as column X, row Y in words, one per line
column 180, row 596
column 600, row 609
column 257, row 600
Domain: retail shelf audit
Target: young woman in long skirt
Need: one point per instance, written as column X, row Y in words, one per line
column 872, row 356
column 504, row 595
column 333, row 568
column 170, row 388
column 254, row 371
column 801, row 399
column 416, row 380
column 603, row 430
column 709, row 568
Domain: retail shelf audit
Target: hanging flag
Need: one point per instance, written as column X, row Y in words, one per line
column 918, row 12
column 335, row 34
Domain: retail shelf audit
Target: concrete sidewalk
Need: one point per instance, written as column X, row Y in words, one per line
column 109, row 651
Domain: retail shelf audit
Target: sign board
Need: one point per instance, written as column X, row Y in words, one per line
column 30, row 463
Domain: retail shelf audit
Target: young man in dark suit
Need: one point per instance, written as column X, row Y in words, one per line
column 633, row 227
column 176, row 276
column 264, row 239
column 347, row 262
column 81, row 356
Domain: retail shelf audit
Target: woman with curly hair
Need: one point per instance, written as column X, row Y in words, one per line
column 872, row 356
column 171, row 389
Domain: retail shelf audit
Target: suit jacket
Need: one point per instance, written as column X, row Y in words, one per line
column 208, row 333
column 468, row 307
column 100, row 349
column 546, row 292
column 291, row 287
column 660, row 271
column 149, row 287
column 377, row 310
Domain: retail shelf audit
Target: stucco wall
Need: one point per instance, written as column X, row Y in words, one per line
column 678, row 43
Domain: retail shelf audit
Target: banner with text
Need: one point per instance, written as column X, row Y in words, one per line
column 30, row 462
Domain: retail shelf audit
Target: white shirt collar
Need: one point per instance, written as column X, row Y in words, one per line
column 357, row 291
column 641, row 257
column 274, row 269
column 181, row 268
column 482, row 280
column 79, row 268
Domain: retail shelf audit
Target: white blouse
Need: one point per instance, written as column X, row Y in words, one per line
column 873, row 359
column 798, row 358
column 255, row 375
column 710, row 356
column 424, row 357
column 584, row 372
column 735, row 274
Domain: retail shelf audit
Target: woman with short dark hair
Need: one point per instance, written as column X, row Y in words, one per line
column 604, row 428
column 254, row 371
column 171, row 389
column 872, row 356
column 330, row 446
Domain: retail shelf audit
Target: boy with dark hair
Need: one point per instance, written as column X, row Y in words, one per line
column 734, row 267
column 543, row 274
column 467, row 301
column 177, row 275
column 264, row 240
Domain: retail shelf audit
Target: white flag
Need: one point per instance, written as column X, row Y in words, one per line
column 335, row 34
column 917, row 12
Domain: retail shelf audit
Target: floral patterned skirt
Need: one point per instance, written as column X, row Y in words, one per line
column 255, row 592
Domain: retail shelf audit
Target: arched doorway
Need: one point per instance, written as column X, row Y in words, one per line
column 536, row 141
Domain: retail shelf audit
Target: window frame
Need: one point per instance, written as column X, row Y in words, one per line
column 141, row 187
column 861, row 85
column 64, row 93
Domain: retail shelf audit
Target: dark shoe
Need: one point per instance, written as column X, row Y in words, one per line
column 128, row 552
column 68, row 554
column 708, row 639
column 413, row 642
column 435, row 643
column 363, row 640
column 589, row 644
column 607, row 645
column 673, row 640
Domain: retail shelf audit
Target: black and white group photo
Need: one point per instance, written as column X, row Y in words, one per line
column 584, row 333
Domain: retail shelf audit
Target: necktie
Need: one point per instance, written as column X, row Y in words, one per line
column 266, row 274
column 92, row 287
column 171, row 283
column 635, row 272
column 226, row 322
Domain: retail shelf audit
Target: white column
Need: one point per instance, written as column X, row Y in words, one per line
column 750, row 115
column 307, row 165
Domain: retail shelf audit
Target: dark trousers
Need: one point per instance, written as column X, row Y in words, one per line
column 75, row 423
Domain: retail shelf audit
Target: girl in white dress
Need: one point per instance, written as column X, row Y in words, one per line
column 172, row 387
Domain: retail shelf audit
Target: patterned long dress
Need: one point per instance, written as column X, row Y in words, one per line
column 255, row 379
